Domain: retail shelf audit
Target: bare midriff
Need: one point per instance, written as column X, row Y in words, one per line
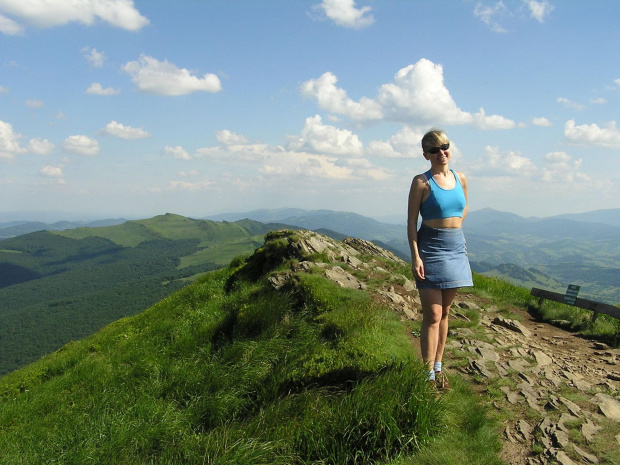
column 453, row 222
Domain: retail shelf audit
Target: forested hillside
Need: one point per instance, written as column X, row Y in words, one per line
column 60, row 286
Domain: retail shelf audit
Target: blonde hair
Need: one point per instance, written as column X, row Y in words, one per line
column 434, row 138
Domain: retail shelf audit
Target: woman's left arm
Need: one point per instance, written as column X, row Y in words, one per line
column 464, row 184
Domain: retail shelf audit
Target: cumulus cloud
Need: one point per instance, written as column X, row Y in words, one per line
column 164, row 78
column 542, row 121
column 9, row 142
column 227, row 137
column 569, row 103
column 416, row 96
column 404, row 144
column 598, row 101
column 40, row 146
column 592, row 134
column 344, row 13
column 82, row 145
column 96, row 89
column 9, row 27
column 43, row 13
column 3, row 90
column 94, row 57
column 177, row 152
column 484, row 122
column 334, row 99
column 322, row 138
column 539, row 10
column 508, row 163
column 124, row 132
column 561, row 168
column 51, row 171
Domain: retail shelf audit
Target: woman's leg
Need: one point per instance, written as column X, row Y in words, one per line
column 432, row 310
column 447, row 296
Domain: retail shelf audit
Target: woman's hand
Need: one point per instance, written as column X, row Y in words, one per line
column 418, row 270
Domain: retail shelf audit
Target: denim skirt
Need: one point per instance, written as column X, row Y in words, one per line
column 444, row 255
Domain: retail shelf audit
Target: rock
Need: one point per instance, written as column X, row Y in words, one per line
column 512, row 325
column 589, row 430
column 571, row 406
column 560, row 438
column 553, row 403
column 588, row 457
column 344, row 278
column 524, row 428
column 519, row 365
column 511, row 396
column 480, row 368
column 488, row 354
column 563, row 459
column 608, row 406
column 542, row 359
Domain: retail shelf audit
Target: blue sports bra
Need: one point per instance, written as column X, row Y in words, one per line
column 443, row 203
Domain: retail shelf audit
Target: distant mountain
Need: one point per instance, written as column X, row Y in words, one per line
column 350, row 224
column 17, row 228
column 608, row 216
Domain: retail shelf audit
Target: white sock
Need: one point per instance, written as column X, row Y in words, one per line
column 431, row 375
column 437, row 366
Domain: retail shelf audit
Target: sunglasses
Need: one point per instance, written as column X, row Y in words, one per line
column 434, row 150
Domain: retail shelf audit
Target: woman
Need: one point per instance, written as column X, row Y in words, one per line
column 438, row 250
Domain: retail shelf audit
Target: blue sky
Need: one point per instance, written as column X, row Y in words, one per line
column 134, row 109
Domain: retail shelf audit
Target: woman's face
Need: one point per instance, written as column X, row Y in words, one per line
column 438, row 154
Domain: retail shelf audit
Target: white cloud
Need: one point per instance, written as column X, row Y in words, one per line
column 334, row 99
column 484, row 122
column 51, row 171
column 94, row 57
column 542, row 121
column 45, row 13
column 82, row 145
column 598, row 101
column 10, row 27
column 488, row 15
column 124, row 132
column 417, row 95
column 404, row 144
column 510, row 163
column 96, row 89
column 33, row 103
column 177, row 152
column 9, row 142
column 617, row 82
column 560, row 168
column 227, row 137
column 164, row 78
column 40, row 146
column 344, row 13
column 539, row 10
column 3, row 90
column 592, row 134
column 569, row 103
column 322, row 138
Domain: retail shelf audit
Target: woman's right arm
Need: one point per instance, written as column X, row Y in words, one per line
column 416, row 194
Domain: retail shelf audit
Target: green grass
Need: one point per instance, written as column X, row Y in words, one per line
column 229, row 371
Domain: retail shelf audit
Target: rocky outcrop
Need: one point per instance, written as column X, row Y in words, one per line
column 562, row 390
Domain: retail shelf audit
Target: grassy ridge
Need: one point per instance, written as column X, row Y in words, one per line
column 60, row 286
column 229, row 371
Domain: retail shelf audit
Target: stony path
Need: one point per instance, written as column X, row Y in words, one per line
column 556, row 393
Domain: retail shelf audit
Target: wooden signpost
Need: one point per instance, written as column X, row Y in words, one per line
column 570, row 298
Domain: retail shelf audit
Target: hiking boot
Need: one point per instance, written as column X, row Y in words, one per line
column 441, row 381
